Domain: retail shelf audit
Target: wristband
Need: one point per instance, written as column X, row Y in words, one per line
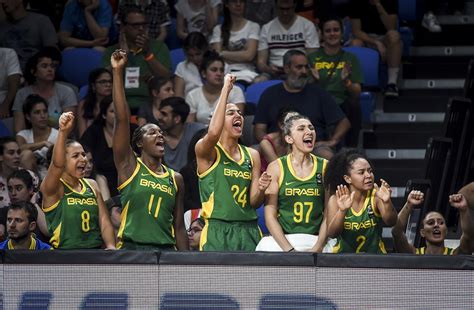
column 149, row 57
column 291, row 250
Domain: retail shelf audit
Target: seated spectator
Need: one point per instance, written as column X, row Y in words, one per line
column 99, row 87
column 194, row 233
column 74, row 208
column 187, row 76
column 99, row 178
column 98, row 140
column 38, row 136
column 87, row 23
column 286, row 32
column 339, row 73
column 374, row 24
column 433, row 228
column 23, row 185
column 196, row 15
column 157, row 14
column 172, row 120
column 236, row 41
column 160, row 89
column 305, row 98
column 25, row 32
column 260, row 11
column 147, row 57
column 10, row 77
column 40, row 74
column 355, row 200
column 21, row 223
column 273, row 145
column 203, row 100
column 192, row 199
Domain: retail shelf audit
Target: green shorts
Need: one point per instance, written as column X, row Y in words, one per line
column 220, row 235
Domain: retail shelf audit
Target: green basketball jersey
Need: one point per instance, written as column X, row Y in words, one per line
column 363, row 230
column 73, row 221
column 301, row 201
column 148, row 201
column 225, row 187
column 446, row 251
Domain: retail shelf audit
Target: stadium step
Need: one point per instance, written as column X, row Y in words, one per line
column 398, row 139
column 452, row 35
column 421, row 100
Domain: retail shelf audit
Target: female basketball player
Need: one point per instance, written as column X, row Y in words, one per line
column 75, row 211
column 229, row 181
column 295, row 199
column 151, row 193
column 358, row 207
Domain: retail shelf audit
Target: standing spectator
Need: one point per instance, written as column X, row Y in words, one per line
column 40, row 73
column 25, row 32
column 160, row 89
column 187, row 76
column 339, row 73
column 287, row 31
column 236, row 41
column 147, row 57
column 172, row 120
column 374, row 24
column 39, row 136
column 87, row 23
column 203, row 100
column 21, row 223
column 196, row 15
column 308, row 99
column 157, row 13
column 99, row 87
column 260, row 11
column 10, row 76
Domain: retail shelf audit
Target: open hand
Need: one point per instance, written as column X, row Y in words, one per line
column 384, row 191
column 344, row 197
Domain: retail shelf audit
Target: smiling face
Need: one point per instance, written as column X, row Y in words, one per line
column 434, row 228
column 332, row 33
column 76, row 160
column 360, row 175
column 302, row 136
column 234, row 121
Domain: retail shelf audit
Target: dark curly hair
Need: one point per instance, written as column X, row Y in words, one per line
column 340, row 165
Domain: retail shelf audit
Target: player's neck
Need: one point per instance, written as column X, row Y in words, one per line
column 434, row 249
column 299, row 158
column 230, row 145
column 154, row 164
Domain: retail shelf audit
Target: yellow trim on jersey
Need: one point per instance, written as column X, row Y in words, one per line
column 367, row 198
column 422, row 251
column 55, row 237
column 208, row 207
column 337, row 247
column 52, row 207
column 282, row 173
column 382, row 246
column 310, row 175
column 325, row 163
column 173, row 175
column 214, row 165
column 127, row 181
column 92, row 187
column 31, row 247
column 203, row 239
column 241, row 151
column 83, row 189
column 122, row 223
column 153, row 173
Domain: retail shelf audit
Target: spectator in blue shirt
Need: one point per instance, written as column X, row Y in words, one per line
column 21, row 223
column 87, row 23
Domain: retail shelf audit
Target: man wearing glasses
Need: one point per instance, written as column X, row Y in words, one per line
column 287, row 31
column 146, row 57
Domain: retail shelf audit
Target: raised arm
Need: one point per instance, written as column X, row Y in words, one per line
column 466, row 245
column 338, row 205
column 51, row 185
column 106, row 228
column 384, row 203
column 271, row 209
column 400, row 242
column 259, row 182
column 205, row 152
column 178, row 216
column 124, row 158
